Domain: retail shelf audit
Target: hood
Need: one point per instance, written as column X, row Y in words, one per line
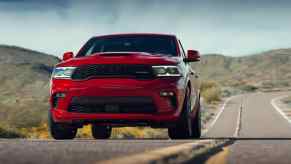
column 122, row 58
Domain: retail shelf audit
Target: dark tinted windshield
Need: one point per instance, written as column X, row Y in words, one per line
column 156, row 44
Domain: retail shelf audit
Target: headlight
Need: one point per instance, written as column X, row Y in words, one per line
column 166, row 71
column 63, row 72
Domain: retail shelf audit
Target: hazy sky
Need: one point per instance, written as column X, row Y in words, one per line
column 231, row 27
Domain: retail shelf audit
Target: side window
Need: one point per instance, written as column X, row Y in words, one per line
column 182, row 50
column 90, row 50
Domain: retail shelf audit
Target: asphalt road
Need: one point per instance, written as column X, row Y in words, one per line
column 262, row 134
column 74, row 151
column 259, row 134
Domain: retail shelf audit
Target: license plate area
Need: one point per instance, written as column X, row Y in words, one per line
column 116, row 105
column 112, row 108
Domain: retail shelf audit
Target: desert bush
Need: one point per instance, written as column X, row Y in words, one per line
column 84, row 132
column 39, row 132
column 210, row 91
column 287, row 101
column 25, row 118
column 6, row 132
column 128, row 132
column 268, row 85
column 283, row 84
column 248, row 88
column 208, row 84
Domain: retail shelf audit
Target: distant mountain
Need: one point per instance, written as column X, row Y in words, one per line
column 24, row 84
column 267, row 69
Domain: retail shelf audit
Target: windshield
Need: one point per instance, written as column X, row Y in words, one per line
column 155, row 44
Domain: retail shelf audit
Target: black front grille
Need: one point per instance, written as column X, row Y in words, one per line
column 113, row 70
column 134, row 105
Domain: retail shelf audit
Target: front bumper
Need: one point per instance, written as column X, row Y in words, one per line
column 165, row 111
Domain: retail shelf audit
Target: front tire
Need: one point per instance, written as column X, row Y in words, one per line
column 196, row 123
column 101, row 132
column 61, row 131
column 187, row 127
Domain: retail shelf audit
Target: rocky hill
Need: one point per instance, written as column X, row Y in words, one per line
column 24, row 79
column 267, row 69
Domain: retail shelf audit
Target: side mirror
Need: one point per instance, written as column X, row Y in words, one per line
column 68, row 55
column 192, row 56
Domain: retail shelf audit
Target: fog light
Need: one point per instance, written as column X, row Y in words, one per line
column 60, row 95
column 166, row 93
column 171, row 94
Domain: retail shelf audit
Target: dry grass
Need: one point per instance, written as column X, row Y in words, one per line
column 210, row 91
column 6, row 132
column 127, row 132
column 40, row 132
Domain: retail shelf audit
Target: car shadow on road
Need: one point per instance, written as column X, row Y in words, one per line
column 205, row 156
column 246, row 138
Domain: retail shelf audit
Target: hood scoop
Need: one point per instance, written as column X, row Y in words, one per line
column 116, row 54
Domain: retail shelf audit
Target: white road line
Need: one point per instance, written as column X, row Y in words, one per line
column 238, row 123
column 273, row 103
column 218, row 115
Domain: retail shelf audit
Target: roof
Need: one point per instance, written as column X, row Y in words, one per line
column 121, row 34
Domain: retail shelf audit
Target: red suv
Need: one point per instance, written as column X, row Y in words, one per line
column 126, row 80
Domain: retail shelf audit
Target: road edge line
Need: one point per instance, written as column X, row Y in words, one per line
column 173, row 154
column 273, row 103
column 218, row 115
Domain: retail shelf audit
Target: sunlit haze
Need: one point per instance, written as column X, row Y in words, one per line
column 230, row 27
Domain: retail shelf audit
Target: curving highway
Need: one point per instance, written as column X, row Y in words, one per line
column 259, row 131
